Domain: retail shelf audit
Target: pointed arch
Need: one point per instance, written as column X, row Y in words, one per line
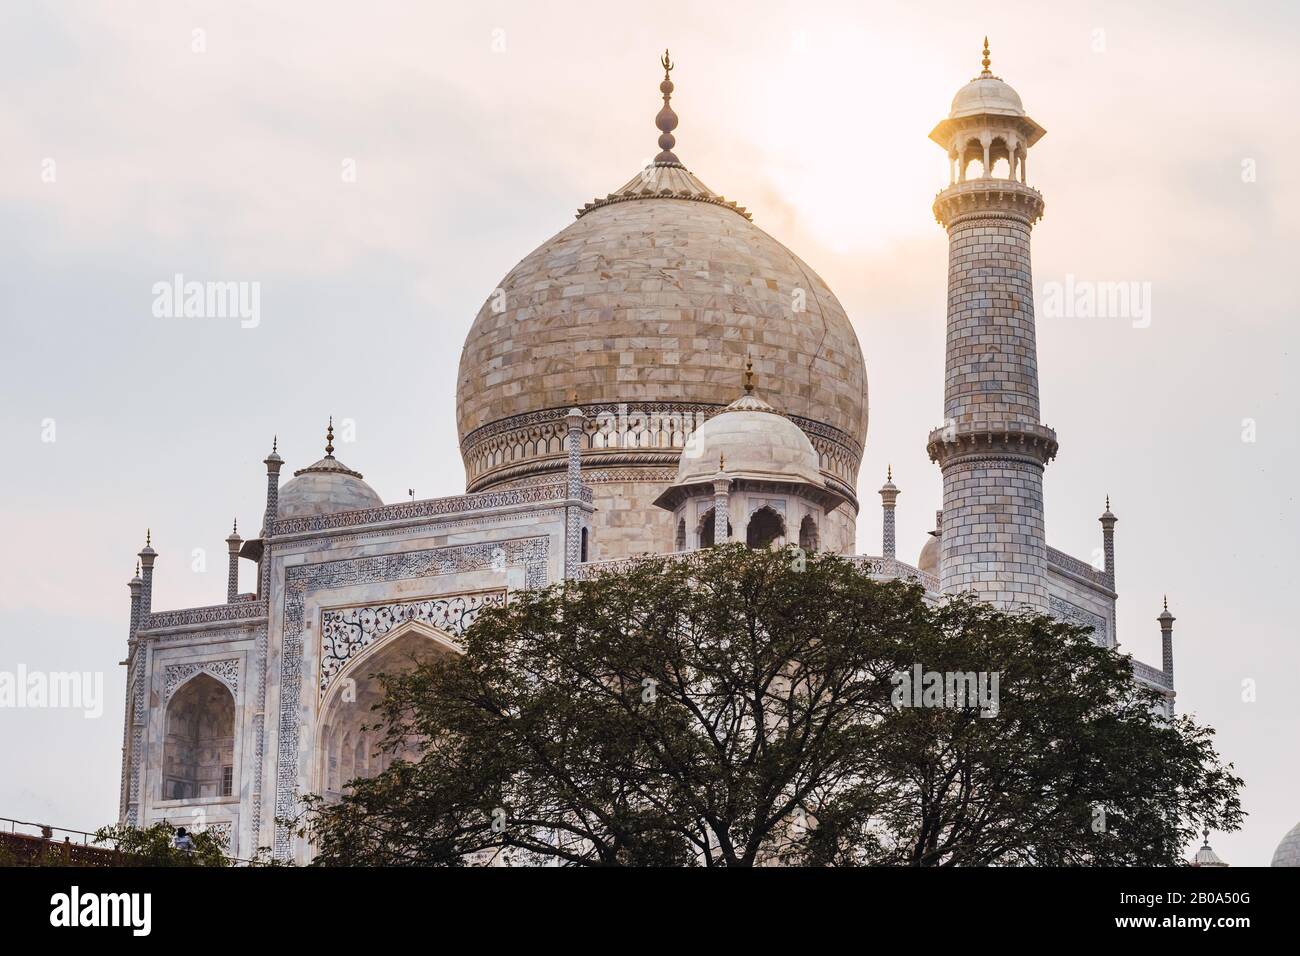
column 345, row 731
column 808, row 537
column 766, row 529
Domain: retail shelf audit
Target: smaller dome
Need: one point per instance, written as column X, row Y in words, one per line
column 986, row 94
column 756, row 441
column 929, row 559
column 327, row 487
column 1288, row 851
column 1206, row 856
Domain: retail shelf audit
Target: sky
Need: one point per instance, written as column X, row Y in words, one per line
column 377, row 168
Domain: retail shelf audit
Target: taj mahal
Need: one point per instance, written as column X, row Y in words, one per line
column 659, row 376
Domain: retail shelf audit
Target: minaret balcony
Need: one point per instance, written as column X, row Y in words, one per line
column 962, row 441
column 988, row 197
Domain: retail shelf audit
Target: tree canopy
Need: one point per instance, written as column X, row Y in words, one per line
column 737, row 707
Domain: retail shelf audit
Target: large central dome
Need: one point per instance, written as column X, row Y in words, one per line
column 652, row 300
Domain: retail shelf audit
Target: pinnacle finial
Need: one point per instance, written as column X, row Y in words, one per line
column 148, row 537
column 889, row 473
column 137, row 569
column 1166, row 602
column 1108, row 502
column 235, row 529
column 275, row 443
column 329, row 439
column 985, row 62
column 666, row 120
column 722, row 463
column 749, row 375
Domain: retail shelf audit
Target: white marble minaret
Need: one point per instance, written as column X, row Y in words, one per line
column 992, row 448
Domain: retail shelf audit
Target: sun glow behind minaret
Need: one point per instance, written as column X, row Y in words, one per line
column 843, row 135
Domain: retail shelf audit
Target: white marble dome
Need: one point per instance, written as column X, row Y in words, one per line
column 986, row 94
column 1288, row 851
column 657, row 294
column 756, row 442
column 326, row 487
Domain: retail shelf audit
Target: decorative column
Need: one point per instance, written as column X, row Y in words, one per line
column 888, row 496
column 721, row 507
column 273, row 462
column 992, row 448
column 575, row 420
column 232, row 571
column 147, row 555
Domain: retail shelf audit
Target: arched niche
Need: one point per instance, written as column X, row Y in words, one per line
column 199, row 741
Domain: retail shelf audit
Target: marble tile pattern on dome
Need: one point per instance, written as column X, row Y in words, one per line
column 659, row 376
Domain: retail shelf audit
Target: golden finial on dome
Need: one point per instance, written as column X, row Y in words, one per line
column 722, row 463
column 329, row 439
column 666, row 121
column 749, row 374
column 985, row 62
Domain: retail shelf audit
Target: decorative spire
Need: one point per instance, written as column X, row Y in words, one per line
column 1166, row 602
column 749, row 375
column 889, row 473
column 148, row 537
column 666, row 121
column 985, row 61
column 235, row 528
column 722, row 463
column 329, row 439
column 275, row 443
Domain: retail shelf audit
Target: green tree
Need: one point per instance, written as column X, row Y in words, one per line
column 739, row 707
column 153, row 846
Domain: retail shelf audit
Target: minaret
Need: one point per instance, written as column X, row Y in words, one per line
column 992, row 448
column 232, row 571
column 147, row 556
column 273, row 462
column 721, row 507
column 129, row 717
column 1167, row 641
column 888, row 497
column 134, row 586
column 1108, row 541
column 574, row 422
